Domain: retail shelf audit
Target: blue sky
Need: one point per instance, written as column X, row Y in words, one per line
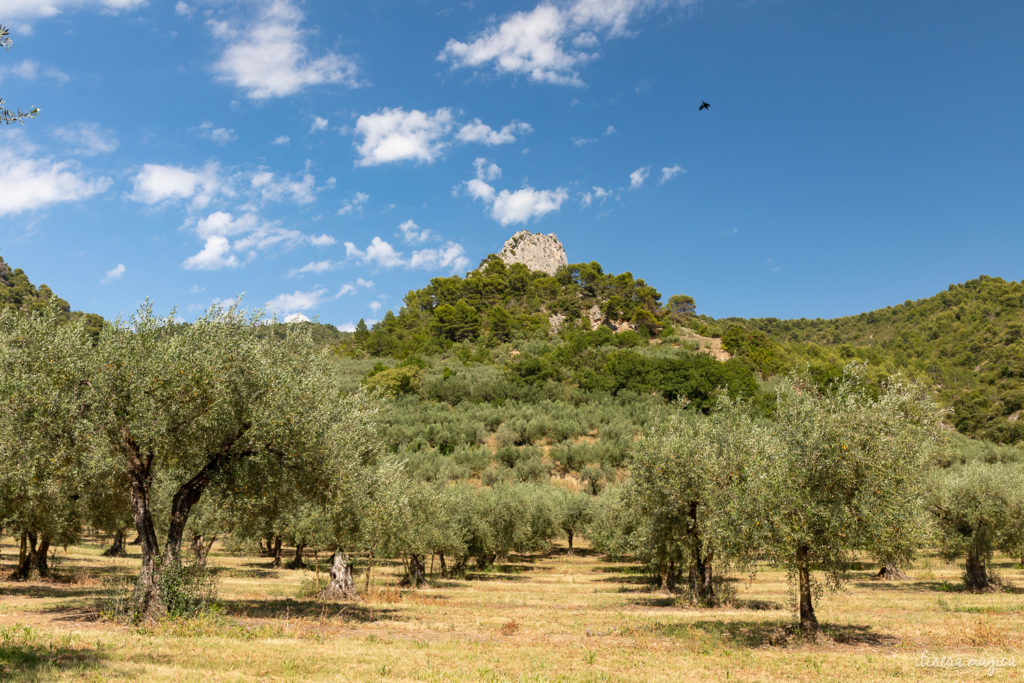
column 326, row 157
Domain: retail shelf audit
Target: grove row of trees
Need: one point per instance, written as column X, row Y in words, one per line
column 188, row 432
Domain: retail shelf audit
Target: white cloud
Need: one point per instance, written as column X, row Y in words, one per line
column 296, row 301
column 115, row 273
column 296, row 318
column 478, row 131
column 391, row 135
column 30, row 70
column 379, row 253
column 637, row 177
column 321, row 240
column 183, row 9
column 670, row 172
column 214, row 255
column 598, row 193
column 269, row 57
column 221, row 136
column 526, row 204
column 519, row 206
column 451, row 256
column 582, row 142
column 319, row 123
column 315, row 267
column 45, row 9
column 86, row 139
column 375, row 306
column 281, row 140
column 529, row 43
column 276, row 189
column 412, row 233
column 354, row 204
column 29, row 182
column 610, row 130
column 159, row 182
column 549, row 43
column 368, row 284
column 224, row 224
column 196, row 289
column 345, row 290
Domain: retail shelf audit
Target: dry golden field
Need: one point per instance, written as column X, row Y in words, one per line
column 541, row 617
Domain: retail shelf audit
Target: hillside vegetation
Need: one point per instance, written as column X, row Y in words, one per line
column 967, row 342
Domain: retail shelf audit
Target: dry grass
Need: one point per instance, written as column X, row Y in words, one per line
column 538, row 617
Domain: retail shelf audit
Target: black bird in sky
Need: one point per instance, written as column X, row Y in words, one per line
column 703, row 106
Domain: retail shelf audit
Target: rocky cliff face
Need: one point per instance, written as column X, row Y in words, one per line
column 534, row 250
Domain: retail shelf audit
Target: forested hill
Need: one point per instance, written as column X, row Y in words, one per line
column 968, row 341
column 499, row 303
column 16, row 291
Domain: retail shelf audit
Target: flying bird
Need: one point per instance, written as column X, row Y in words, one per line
column 703, row 106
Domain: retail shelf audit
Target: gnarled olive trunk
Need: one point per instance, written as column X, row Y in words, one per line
column 976, row 576
column 415, row 573
column 147, row 590
column 808, row 622
column 341, row 584
column 296, row 562
column 32, row 556
column 569, row 535
column 201, row 548
column 444, row 567
column 116, row 549
column 277, row 552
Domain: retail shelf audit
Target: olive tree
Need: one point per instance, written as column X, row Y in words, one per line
column 186, row 404
column 978, row 508
column 843, row 473
column 43, row 461
column 689, row 482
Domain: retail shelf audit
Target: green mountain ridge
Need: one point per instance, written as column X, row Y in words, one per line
column 967, row 341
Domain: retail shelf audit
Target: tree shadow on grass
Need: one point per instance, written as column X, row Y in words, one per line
column 780, row 633
column 43, row 590
column 934, row 586
column 287, row 608
column 30, row 654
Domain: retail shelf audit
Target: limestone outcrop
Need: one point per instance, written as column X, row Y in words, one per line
column 534, row 250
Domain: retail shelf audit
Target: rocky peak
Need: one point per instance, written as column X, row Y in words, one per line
column 534, row 250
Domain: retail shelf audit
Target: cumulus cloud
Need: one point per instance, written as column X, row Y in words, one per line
column 354, row 204
column 319, row 123
column 300, row 190
column 30, row 70
column 478, row 131
column 19, row 10
column 530, row 43
column 520, row 206
column 269, row 57
column 549, row 43
column 157, row 183
column 183, row 9
column 115, row 273
column 637, row 177
column 412, row 233
column 379, row 253
column 221, row 136
column 391, row 135
column 296, row 301
column 382, row 254
column 34, row 182
column 86, row 139
column 594, row 193
column 215, row 254
column 296, row 318
column 281, row 140
column 670, row 172
column 452, row 256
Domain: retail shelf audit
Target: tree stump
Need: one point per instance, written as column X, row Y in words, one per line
column 890, row 572
column 341, row 584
